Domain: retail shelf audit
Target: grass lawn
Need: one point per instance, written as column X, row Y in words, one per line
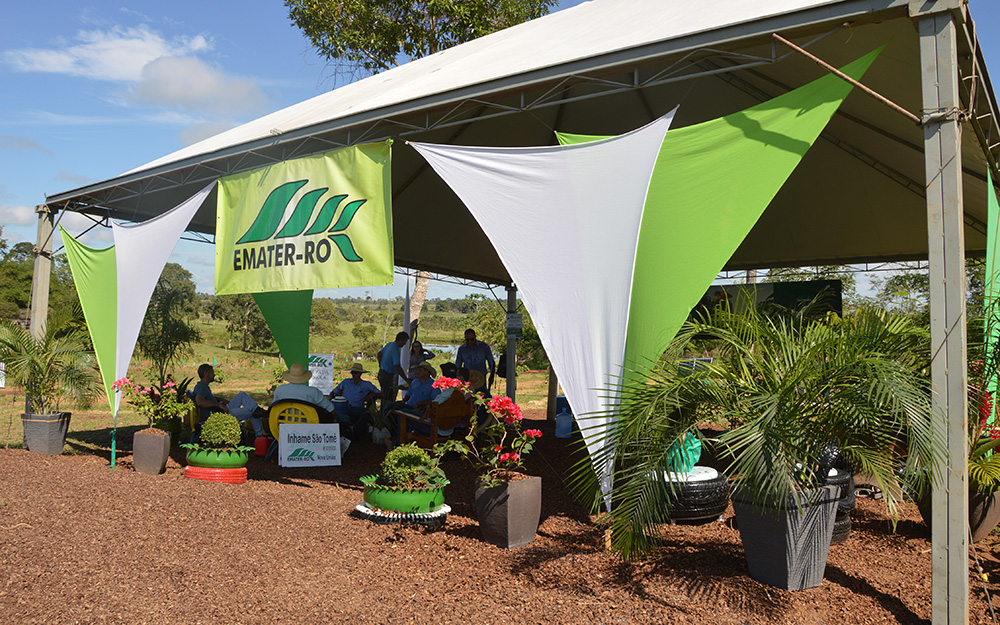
column 90, row 430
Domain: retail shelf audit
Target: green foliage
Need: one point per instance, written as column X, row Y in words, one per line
column 409, row 466
column 364, row 338
column 844, row 273
column 375, row 35
column 786, row 386
column 162, row 406
column 244, row 320
column 16, row 268
column 220, row 431
column 323, row 320
column 168, row 327
column 49, row 368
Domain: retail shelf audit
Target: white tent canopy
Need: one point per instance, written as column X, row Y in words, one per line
column 607, row 67
column 875, row 186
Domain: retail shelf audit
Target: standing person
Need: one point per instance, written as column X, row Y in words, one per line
column 242, row 406
column 417, row 355
column 358, row 393
column 390, row 359
column 476, row 356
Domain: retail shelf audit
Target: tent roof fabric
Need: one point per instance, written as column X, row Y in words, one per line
column 608, row 67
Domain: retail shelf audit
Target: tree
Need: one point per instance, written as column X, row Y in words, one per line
column 324, row 320
column 244, row 321
column 369, row 36
column 17, row 264
column 168, row 328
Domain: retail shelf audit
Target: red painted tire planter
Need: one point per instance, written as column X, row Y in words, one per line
column 227, row 476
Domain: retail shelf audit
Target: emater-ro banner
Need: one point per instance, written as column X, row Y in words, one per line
column 316, row 222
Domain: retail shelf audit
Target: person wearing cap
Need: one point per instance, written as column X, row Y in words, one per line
column 358, row 393
column 298, row 389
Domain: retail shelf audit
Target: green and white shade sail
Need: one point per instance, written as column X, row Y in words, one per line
column 614, row 240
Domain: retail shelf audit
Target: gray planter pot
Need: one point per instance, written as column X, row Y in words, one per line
column 508, row 514
column 150, row 451
column 788, row 548
column 45, row 433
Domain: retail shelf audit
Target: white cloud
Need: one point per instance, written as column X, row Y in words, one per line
column 189, row 83
column 21, row 144
column 117, row 54
column 70, row 177
column 17, row 215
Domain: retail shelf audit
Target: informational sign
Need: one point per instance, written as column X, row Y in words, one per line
column 2, row 375
column 515, row 324
column 309, row 445
column 323, row 373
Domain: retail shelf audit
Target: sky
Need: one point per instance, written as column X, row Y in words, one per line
column 94, row 89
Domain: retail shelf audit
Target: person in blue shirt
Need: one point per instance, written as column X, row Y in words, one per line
column 390, row 366
column 421, row 391
column 476, row 356
column 358, row 393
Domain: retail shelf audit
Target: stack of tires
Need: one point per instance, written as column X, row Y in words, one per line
column 842, row 522
column 701, row 495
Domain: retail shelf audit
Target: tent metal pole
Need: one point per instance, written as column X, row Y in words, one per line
column 511, row 345
column 41, row 276
column 946, row 243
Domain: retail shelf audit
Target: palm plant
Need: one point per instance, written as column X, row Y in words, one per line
column 49, row 368
column 787, row 385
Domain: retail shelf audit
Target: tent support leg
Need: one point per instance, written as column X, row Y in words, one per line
column 511, row 345
column 946, row 244
column 40, row 278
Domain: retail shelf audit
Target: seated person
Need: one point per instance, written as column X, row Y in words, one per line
column 242, row 406
column 421, row 391
column 298, row 389
column 464, row 375
column 358, row 394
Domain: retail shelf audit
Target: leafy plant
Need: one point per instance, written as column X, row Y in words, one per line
column 49, row 368
column 220, row 431
column 787, row 386
column 499, row 452
column 409, row 466
column 160, row 405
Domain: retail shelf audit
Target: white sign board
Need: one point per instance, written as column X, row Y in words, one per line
column 515, row 324
column 309, row 445
column 321, row 366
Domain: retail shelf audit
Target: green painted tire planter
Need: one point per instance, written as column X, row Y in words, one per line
column 217, row 458
column 403, row 500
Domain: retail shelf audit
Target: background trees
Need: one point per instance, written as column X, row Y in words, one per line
column 245, row 323
column 168, row 327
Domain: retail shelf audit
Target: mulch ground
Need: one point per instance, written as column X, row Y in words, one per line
column 80, row 543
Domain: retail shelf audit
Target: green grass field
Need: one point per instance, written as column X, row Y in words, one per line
column 90, row 430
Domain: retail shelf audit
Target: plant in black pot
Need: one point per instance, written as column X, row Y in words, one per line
column 56, row 365
column 784, row 385
column 508, row 501
column 163, row 407
column 218, row 447
column 411, row 482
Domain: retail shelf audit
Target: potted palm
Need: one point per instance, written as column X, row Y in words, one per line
column 55, row 366
column 508, row 502
column 785, row 386
column 163, row 408
column 410, row 482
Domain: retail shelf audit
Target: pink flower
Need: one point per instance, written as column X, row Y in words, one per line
column 169, row 385
column 445, row 383
column 497, row 448
column 505, row 407
column 533, row 433
column 510, row 457
column 119, row 384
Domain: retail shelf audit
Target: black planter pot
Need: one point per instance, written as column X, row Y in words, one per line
column 984, row 513
column 788, row 548
column 150, row 451
column 508, row 514
column 45, row 433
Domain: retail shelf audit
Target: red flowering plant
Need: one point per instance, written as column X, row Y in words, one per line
column 984, row 464
column 160, row 405
column 499, row 452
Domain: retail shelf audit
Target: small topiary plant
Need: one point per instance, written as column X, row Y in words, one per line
column 409, row 466
column 219, row 431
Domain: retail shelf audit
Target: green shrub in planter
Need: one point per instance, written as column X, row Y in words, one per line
column 409, row 466
column 220, row 430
